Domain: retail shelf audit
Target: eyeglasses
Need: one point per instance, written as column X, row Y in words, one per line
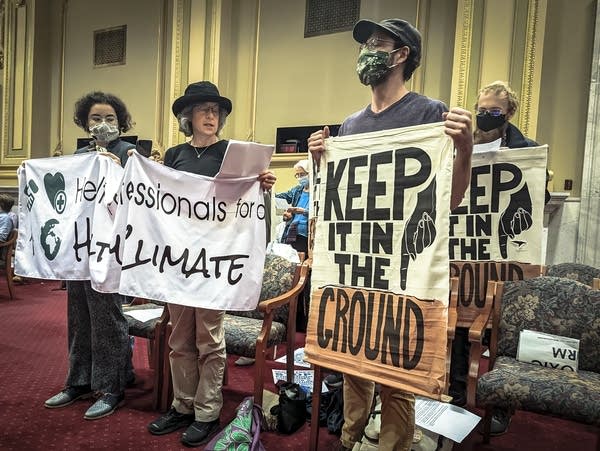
column 214, row 109
column 494, row 112
column 298, row 175
column 375, row 43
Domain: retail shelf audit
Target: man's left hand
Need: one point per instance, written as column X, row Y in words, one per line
column 459, row 126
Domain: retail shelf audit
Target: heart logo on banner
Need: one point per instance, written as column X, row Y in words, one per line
column 55, row 190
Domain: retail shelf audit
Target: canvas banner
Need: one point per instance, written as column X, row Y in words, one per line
column 502, row 214
column 172, row 236
column 60, row 201
column 496, row 232
column 380, row 209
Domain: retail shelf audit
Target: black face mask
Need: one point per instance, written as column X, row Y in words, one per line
column 487, row 122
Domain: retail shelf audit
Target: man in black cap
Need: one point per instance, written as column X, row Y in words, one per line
column 390, row 52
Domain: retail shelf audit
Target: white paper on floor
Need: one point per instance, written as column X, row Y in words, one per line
column 444, row 419
column 298, row 358
column 304, row 378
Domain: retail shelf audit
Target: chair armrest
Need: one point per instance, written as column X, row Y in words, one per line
column 452, row 306
column 268, row 305
column 596, row 284
column 476, row 332
column 11, row 239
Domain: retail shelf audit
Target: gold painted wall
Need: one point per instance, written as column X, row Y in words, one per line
column 312, row 81
column 276, row 77
column 136, row 82
column 565, row 86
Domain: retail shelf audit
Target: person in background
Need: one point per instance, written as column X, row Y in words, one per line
column 98, row 339
column 296, row 216
column 496, row 104
column 390, row 51
column 197, row 340
column 8, row 219
column 296, row 230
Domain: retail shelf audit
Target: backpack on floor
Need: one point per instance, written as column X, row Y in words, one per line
column 243, row 433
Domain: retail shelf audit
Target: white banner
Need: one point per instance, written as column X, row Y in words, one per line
column 176, row 237
column 60, row 199
column 382, row 212
column 502, row 214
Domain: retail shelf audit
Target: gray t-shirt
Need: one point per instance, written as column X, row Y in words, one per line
column 412, row 109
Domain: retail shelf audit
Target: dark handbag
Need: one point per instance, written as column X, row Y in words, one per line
column 243, row 433
column 291, row 410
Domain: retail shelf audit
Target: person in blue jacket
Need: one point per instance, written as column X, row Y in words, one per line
column 296, row 216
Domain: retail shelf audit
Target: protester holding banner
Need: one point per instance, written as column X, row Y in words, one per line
column 197, row 340
column 98, row 332
column 496, row 104
column 390, row 52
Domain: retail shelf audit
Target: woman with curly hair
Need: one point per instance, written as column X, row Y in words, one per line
column 98, row 338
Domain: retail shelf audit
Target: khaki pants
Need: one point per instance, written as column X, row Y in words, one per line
column 198, row 361
column 397, row 414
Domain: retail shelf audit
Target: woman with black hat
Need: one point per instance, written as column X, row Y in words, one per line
column 197, row 340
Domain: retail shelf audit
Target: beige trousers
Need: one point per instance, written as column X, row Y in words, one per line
column 198, row 360
column 397, row 414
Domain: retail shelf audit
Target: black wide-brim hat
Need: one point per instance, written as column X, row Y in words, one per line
column 201, row 91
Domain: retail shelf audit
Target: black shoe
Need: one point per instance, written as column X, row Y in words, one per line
column 334, row 380
column 199, row 432
column 68, row 396
column 104, row 406
column 170, row 421
column 500, row 422
column 459, row 397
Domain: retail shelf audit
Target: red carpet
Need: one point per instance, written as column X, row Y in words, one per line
column 33, row 356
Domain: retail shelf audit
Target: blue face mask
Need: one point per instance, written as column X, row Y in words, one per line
column 303, row 181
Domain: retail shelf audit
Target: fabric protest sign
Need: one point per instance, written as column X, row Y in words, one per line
column 188, row 239
column 473, row 280
column 379, row 280
column 59, row 201
column 173, row 236
column 501, row 216
column 496, row 232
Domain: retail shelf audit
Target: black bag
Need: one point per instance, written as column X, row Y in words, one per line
column 331, row 410
column 291, row 410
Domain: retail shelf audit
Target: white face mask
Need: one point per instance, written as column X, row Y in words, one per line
column 104, row 132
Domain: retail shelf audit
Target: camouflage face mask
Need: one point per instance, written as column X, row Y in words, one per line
column 372, row 66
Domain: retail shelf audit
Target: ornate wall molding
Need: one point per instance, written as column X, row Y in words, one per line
column 532, row 64
column 178, row 40
column 17, row 84
column 462, row 53
column 588, row 249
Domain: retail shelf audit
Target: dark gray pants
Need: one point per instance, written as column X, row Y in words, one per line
column 98, row 339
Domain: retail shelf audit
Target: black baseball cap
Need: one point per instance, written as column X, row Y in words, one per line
column 400, row 29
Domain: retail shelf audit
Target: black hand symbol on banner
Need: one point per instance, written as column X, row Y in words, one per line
column 419, row 231
column 30, row 189
column 515, row 219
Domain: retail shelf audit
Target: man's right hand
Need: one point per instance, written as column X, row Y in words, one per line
column 316, row 144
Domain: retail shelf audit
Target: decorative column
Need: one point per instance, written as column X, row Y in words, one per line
column 588, row 249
